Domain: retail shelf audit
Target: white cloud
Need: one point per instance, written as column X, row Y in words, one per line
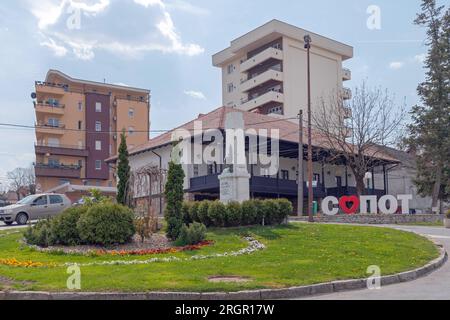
column 58, row 50
column 396, row 65
column 93, row 36
column 420, row 58
column 187, row 7
column 195, row 94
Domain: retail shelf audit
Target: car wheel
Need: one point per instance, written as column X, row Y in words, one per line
column 22, row 219
column 8, row 223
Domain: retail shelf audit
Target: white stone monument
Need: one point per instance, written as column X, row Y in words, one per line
column 235, row 179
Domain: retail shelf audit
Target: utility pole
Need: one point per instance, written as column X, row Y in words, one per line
column 300, row 178
column 307, row 39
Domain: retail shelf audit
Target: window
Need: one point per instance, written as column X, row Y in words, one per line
column 53, row 102
column 285, row 174
column 316, row 177
column 131, row 131
column 52, row 162
column 276, row 110
column 230, row 68
column 98, row 107
column 131, row 113
column 230, row 87
column 98, row 164
column 52, row 122
column 98, row 145
column 80, row 163
column 80, row 125
column 196, row 170
column 53, row 142
column 55, row 199
column 80, row 106
column 41, row 201
column 98, row 126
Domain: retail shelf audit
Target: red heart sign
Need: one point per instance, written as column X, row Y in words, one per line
column 344, row 203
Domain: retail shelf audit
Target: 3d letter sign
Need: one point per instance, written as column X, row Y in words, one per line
column 366, row 204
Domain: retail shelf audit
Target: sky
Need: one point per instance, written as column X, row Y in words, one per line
column 166, row 46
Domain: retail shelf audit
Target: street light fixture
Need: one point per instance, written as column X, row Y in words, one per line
column 307, row 39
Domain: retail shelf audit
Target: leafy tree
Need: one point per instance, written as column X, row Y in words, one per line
column 174, row 199
column 123, row 170
column 430, row 126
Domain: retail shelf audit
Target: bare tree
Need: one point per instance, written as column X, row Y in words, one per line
column 18, row 180
column 30, row 179
column 356, row 131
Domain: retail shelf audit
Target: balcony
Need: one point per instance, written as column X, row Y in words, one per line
column 47, row 108
column 346, row 74
column 269, row 53
column 61, row 150
column 42, row 128
column 57, row 171
column 346, row 94
column 266, row 76
column 347, row 112
column 270, row 96
column 51, row 88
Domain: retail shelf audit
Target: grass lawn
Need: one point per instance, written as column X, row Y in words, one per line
column 295, row 254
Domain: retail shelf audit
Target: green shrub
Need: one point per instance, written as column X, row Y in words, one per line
column 260, row 213
column 64, row 227
column 185, row 211
column 270, row 209
column 192, row 234
column 193, row 211
column 448, row 214
column 285, row 209
column 217, row 214
column 106, row 224
column 249, row 212
column 40, row 234
column 202, row 213
column 233, row 216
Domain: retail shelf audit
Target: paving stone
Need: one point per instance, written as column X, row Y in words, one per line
column 173, row 296
column 407, row 276
column 17, row 295
column 388, row 280
column 245, row 295
column 321, row 288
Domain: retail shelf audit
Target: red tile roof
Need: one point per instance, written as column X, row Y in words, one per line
column 288, row 130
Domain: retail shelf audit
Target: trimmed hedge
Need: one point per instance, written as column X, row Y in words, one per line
column 192, row 234
column 100, row 224
column 234, row 214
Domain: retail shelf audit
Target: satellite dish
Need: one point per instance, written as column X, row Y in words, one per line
column 33, row 95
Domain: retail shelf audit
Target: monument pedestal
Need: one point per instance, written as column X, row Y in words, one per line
column 234, row 186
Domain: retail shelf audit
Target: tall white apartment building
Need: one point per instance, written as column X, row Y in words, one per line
column 265, row 70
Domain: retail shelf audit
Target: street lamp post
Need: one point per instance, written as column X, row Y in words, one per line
column 307, row 40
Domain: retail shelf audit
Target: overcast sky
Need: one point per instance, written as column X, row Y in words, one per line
column 166, row 46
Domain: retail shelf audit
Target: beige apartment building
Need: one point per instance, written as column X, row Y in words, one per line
column 78, row 125
column 265, row 70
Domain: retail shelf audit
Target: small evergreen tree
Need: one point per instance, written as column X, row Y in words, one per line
column 123, row 170
column 174, row 200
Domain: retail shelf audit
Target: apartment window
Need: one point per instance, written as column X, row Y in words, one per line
column 80, row 125
column 53, row 142
column 53, row 102
column 230, row 87
column 131, row 113
column 98, row 164
column 230, row 68
column 80, row 106
column 316, row 177
column 98, row 126
column 98, row 145
column 98, row 107
column 276, row 110
column 131, row 131
column 80, row 163
column 52, row 162
column 285, row 174
column 196, row 170
column 53, row 122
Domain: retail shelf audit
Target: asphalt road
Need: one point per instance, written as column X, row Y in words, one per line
column 435, row 286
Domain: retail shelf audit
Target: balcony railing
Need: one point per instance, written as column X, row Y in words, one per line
column 269, row 53
column 346, row 93
column 63, row 150
column 51, row 108
column 263, row 77
column 267, row 97
column 58, row 171
column 346, row 74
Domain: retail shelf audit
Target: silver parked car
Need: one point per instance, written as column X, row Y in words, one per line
column 39, row 206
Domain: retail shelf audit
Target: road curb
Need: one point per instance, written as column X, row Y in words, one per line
column 266, row 294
